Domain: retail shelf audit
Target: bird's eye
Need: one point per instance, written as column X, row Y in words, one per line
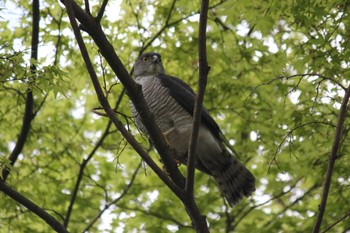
column 145, row 59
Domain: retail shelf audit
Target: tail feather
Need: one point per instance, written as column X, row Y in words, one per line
column 234, row 179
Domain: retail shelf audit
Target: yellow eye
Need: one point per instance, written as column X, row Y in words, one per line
column 145, row 59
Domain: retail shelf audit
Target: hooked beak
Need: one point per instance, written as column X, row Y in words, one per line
column 155, row 59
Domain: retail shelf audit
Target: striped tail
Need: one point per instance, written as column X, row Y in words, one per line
column 234, row 179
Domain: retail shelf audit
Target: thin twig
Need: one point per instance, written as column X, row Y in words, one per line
column 165, row 217
column 332, row 158
column 116, row 200
column 81, row 172
column 169, row 24
column 297, row 75
column 166, row 25
column 305, row 195
column 59, row 36
column 290, row 132
column 245, row 213
column 336, row 222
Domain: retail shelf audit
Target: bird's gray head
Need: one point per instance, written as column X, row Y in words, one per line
column 148, row 64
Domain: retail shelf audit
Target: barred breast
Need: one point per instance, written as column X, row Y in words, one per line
column 170, row 117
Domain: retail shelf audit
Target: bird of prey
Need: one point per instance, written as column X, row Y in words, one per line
column 171, row 101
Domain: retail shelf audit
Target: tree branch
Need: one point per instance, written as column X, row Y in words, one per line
column 298, row 75
column 101, row 11
column 243, row 213
column 336, row 222
column 333, row 156
column 166, row 25
column 28, row 112
column 165, row 217
column 202, row 82
column 197, row 219
column 169, row 24
column 86, row 161
column 87, row 7
column 116, row 200
column 289, row 133
column 49, row 219
column 81, row 173
column 290, row 205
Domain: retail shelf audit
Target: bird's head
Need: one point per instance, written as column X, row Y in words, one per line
column 148, row 64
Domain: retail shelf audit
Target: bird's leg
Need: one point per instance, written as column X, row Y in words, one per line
column 166, row 134
column 167, row 138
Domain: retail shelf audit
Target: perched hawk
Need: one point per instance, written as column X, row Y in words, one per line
column 171, row 101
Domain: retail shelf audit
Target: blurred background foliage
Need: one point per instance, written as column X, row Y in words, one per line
column 278, row 74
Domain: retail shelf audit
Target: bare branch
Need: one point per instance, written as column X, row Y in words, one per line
column 197, row 219
column 87, row 6
column 28, row 113
column 297, row 75
column 289, row 133
column 22, row 137
column 101, row 11
column 202, row 82
column 336, row 222
column 49, row 219
column 166, row 25
column 116, row 200
column 162, row 216
column 245, row 213
column 305, row 195
column 81, row 173
column 333, row 156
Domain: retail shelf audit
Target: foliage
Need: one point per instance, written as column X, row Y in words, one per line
column 279, row 71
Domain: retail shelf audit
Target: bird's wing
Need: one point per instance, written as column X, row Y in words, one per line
column 185, row 96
